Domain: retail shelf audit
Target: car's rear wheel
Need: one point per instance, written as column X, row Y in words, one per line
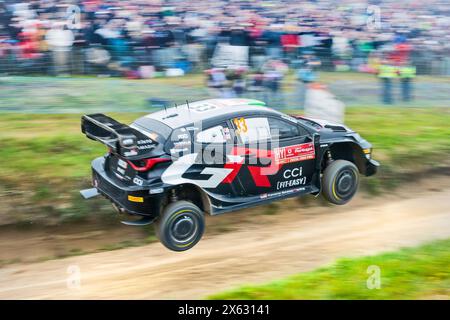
column 180, row 226
column 340, row 181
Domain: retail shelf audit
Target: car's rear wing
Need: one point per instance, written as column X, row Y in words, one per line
column 120, row 138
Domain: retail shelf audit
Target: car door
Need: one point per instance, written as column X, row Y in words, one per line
column 279, row 155
column 293, row 154
column 254, row 149
column 215, row 165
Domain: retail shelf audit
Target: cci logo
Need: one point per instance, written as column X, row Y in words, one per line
column 294, row 173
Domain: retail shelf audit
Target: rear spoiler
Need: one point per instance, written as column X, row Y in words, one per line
column 120, row 138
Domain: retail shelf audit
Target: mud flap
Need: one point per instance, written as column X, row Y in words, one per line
column 316, row 180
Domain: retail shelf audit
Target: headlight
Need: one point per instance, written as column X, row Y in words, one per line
column 367, row 152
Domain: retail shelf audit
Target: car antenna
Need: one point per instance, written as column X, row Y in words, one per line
column 176, row 106
column 189, row 108
column 165, row 108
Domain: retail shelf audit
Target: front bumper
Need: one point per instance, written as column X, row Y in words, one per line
column 371, row 167
column 120, row 194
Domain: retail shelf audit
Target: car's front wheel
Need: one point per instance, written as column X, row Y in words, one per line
column 180, row 226
column 340, row 181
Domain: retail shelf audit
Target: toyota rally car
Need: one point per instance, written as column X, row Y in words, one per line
column 216, row 156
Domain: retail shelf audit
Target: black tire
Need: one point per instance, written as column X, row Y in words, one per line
column 340, row 181
column 180, row 226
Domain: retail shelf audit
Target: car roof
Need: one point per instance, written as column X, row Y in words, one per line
column 209, row 109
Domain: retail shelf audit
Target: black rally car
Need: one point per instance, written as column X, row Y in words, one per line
column 216, row 156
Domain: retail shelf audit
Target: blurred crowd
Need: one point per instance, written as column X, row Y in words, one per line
column 146, row 38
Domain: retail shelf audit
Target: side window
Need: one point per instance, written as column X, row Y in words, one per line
column 280, row 129
column 217, row 134
column 252, row 129
column 302, row 131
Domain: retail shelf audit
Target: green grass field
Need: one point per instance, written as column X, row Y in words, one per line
column 44, row 94
column 414, row 273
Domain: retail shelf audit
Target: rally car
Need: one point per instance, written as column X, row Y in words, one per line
column 219, row 155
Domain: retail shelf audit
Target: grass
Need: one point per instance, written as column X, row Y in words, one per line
column 404, row 137
column 47, row 146
column 92, row 94
column 413, row 273
column 44, row 94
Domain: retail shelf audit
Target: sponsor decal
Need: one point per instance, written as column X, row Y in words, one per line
column 145, row 144
column 282, row 193
column 182, row 144
column 259, row 174
column 295, row 153
column 260, row 179
column 295, row 176
column 234, row 163
column 122, row 163
column 293, row 173
column 130, row 153
column 145, row 147
column 183, row 136
column 178, row 150
column 291, row 183
column 138, row 181
column 174, row 173
column 241, row 125
column 226, row 133
column 202, row 107
column 135, row 199
column 275, row 194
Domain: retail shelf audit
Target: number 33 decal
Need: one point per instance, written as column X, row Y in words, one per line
column 241, row 125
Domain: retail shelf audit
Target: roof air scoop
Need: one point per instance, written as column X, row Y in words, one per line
column 336, row 128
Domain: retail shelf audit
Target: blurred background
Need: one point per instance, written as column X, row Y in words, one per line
column 225, row 48
column 381, row 66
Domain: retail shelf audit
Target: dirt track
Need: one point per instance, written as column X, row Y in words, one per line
column 275, row 246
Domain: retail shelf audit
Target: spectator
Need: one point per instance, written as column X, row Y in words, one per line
column 60, row 40
column 387, row 73
column 306, row 75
